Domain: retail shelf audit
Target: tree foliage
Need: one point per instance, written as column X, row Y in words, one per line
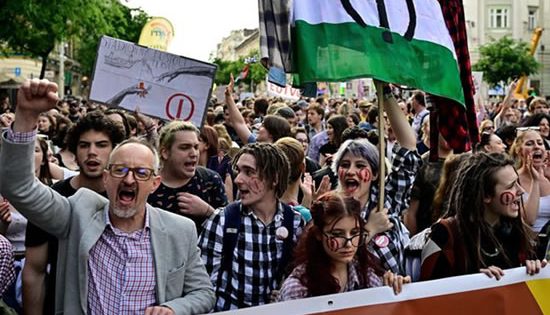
column 117, row 21
column 34, row 27
column 505, row 59
column 256, row 72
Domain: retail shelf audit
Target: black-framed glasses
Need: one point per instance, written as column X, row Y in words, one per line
column 121, row 171
column 341, row 241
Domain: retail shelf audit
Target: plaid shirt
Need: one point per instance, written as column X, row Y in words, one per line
column 275, row 33
column 122, row 272
column 457, row 124
column 7, row 272
column 293, row 289
column 255, row 258
column 398, row 186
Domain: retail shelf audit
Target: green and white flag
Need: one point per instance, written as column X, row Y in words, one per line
column 338, row 40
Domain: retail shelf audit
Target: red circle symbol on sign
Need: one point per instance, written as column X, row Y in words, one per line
column 175, row 105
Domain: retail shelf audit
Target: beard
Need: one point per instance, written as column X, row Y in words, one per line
column 123, row 213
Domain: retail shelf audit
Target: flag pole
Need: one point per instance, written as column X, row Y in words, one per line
column 381, row 144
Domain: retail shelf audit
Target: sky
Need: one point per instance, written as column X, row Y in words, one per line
column 199, row 25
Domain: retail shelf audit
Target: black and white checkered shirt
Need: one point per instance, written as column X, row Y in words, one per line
column 255, row 259
column 398, row 186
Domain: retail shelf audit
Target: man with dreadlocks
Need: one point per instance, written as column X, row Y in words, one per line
column 246, row 246
column 482, row 230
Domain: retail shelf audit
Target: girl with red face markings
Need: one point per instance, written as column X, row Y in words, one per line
column 506, row 198
column 482, row 230
column 331, row 255
column 364, row 175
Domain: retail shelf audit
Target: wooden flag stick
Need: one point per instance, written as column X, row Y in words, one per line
column 381, row 144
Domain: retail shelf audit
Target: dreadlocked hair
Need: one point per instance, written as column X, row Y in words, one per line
column 327, row 210
column 271, row 164
column 475, row 181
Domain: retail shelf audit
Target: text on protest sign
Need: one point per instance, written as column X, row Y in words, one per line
column 163, row 85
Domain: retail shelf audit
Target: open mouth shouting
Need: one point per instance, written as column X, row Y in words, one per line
column 127, row 196
column 190, row 166
column 93, row 165
column 350, row 185
column 538, row 156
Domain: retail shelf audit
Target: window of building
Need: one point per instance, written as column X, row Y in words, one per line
column 499, row 17
column 532, row 18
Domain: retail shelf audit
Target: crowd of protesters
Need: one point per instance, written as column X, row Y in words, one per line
column 106, row 211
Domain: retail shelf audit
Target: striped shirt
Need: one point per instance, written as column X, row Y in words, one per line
column 121, row 271
column 255, row 259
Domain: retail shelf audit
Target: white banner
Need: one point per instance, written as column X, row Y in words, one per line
column 288, row 92
column 516, row 293
column 162, row 84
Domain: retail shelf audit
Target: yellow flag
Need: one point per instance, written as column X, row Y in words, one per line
column 157, row 34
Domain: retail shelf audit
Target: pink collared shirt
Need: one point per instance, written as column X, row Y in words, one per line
column 121, row 271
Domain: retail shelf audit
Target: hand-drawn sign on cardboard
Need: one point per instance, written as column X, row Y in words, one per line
column 163, row 85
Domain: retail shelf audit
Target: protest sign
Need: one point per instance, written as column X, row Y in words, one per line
column 288, row 92
column 163, row 85
column 515, row 293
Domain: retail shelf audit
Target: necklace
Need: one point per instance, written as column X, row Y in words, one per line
column 493, row 254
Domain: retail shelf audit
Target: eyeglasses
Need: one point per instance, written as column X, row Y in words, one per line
column 488, row 128
column 121, row 171
column 341, row 241
column 536, row 128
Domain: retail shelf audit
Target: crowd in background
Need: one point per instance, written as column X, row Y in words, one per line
column 284, row 194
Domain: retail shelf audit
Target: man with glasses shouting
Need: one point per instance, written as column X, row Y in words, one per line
column 118, row 255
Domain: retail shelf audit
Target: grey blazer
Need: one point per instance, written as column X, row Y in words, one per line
column 182, row 281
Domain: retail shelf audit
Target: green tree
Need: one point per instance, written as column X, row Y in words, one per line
column 117, row 21
column 505, row 59
column 34, row 27
column 256, row 72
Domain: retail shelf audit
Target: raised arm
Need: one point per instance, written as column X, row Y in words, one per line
column 237, row 119
column 18, row 184
column 403, row 131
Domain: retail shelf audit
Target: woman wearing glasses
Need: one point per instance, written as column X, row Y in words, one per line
column 532, row 159
column 332, row 257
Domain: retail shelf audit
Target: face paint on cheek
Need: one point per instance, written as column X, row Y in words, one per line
column 506, row 198
column 364, row 175
column 332, row 244
column 255, row 185
column 341, row 173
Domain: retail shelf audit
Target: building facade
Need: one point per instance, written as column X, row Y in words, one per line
column 493, row 19
column 240, row 43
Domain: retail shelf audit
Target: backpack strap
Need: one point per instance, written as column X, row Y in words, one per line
column 232, row 214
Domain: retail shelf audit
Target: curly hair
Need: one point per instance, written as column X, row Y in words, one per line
column 94, row 121
column 476, row 180
column 328, row 209
column 271, row 164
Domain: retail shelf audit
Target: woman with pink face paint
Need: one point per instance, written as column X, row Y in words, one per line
column 482, row 230
column 532, row 159
column 357, row 165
